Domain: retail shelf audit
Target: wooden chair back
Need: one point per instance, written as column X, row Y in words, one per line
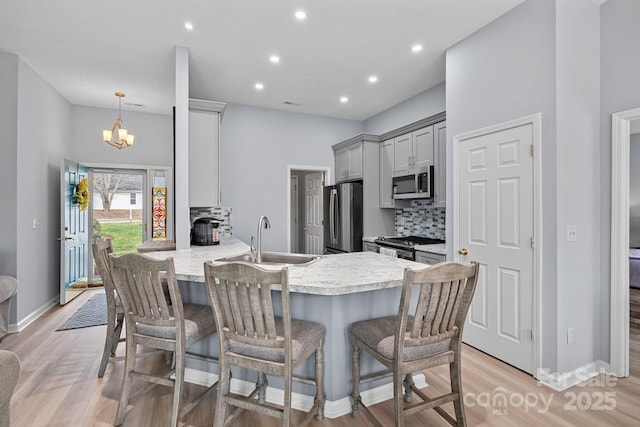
column 101, row 250
column 445, row 294
column 240, row 294
column 138, row 280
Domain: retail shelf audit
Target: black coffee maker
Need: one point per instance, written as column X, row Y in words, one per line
column 205, row 231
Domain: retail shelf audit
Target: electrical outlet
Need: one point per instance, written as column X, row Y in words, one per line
column 572, row 233
column 570, row 336
column 36, row 223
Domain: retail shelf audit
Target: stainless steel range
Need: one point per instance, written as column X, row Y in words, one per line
column 405, row 246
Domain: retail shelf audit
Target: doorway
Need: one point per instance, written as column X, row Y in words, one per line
column 118, row 210
column 305, row 208
column 623, row 124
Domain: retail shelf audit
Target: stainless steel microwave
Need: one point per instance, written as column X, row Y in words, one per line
column 413, row 184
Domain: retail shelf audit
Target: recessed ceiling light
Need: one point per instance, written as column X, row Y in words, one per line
column 188, row 26
column 416, row 47
column 275, row 59
column 373, row 79
column 300, row 15
column 259, row 86
column 344, row 99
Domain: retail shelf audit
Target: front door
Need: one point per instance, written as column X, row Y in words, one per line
column 73, row 233
column 495, row 228
column 313, row 229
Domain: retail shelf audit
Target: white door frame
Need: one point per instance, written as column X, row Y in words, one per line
column 619, row 324
column 536, row 121
column 327, row 178
column 293, row 210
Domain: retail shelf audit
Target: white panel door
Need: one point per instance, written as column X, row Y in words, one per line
column 313, row 213
column 496, row 229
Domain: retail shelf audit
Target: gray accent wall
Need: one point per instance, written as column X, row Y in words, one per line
column 425, row 104
column 153, row 144
column 620, row 91
column 634, row 191
column 43, row 122
column 256, row 147
column 542, row 57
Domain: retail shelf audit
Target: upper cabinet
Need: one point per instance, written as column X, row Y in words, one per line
column 413, row 150
column 417, row 145
column 349, row 162
column 386, row 172
column 204, row 152
column 440, row 158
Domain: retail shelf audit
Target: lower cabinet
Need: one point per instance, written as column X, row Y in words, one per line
column 429, row 258
column 369, row 247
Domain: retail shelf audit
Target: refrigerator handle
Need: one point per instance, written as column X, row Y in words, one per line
column 332, row 215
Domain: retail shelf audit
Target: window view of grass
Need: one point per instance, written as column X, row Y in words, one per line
column 127, row 236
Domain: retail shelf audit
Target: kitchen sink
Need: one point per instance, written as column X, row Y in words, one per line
column 274, row 258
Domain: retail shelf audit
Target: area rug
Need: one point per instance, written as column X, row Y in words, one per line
column 92, row 313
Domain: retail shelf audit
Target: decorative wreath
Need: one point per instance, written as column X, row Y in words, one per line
column 82, row 194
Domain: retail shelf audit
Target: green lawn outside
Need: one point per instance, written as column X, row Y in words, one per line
column 127, row 236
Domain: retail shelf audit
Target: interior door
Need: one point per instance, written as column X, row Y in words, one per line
column 313, row 229
column 73, row 233
column 495, row 226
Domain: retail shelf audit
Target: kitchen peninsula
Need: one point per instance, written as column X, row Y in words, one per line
column 335, row 291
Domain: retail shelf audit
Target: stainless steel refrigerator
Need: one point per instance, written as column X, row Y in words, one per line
column 343, row 218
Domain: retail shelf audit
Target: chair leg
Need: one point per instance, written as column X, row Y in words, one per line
column 320, row 396
column 261, row 385
column 177, row 388
column 129, row 366
column 224, row 382
column 455, row 374
column 408, row 383
column 117, row 333
column 355, row 371
column 108, row 342
column 398, row 399
column 286, row 416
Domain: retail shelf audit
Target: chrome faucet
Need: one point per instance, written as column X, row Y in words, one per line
column 263, row 220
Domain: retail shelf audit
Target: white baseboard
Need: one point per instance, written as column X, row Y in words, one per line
column 17, row 327
column 303, row 402
column 562, row 381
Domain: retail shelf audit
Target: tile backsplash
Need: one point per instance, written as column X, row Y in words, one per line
column 421, row 219
column 223, row 214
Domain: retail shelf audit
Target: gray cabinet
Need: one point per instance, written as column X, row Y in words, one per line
column 413, row 150
column 440, row 161
column 370, row 247
column 429, row 257
column 386, row 172
column 349, row 162
column 204, row 152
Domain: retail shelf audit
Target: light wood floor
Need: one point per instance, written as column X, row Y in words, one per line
column 58, row 386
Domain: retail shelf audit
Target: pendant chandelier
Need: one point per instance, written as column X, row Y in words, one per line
column 122, row 138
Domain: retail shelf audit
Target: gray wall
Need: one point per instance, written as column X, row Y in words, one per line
column 256, row 146
column 153, row 144
column 504, row 71
column 619, row 68
column 44, row 118
column 8, row 163
column 425, row 104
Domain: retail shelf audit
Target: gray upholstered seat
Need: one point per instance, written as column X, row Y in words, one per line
column 431, row 336
column 252, row 337
column 152, row 321
column 380, row 336
column 9, row 375
column 8, row 288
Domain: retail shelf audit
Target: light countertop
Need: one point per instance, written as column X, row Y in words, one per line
column 330, row 275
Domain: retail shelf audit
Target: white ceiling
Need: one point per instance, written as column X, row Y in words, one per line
column 89, row 49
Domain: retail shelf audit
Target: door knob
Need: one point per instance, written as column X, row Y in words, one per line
column 306, row 229
column 463, row 251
